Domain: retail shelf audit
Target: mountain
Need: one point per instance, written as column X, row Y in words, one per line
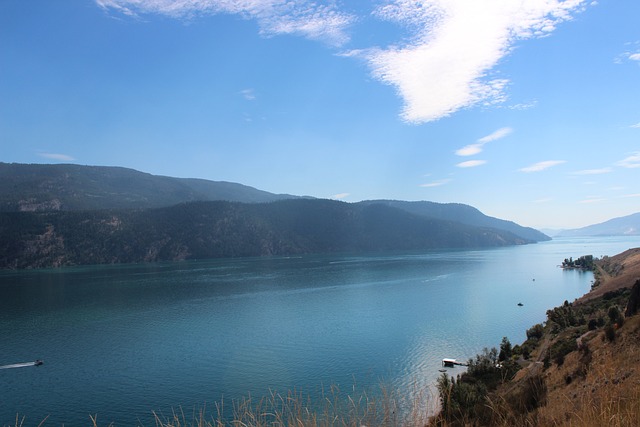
column 551, row 232
column 624, row 226
column 219, row 229
column 46, row 187
column 54, row 215
column 464, row 214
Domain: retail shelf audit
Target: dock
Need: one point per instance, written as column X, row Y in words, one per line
column 450, row 363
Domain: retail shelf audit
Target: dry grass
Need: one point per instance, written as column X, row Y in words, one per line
column 333, row 408
column 593, row 388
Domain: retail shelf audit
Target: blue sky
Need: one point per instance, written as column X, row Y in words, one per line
column 528, row 110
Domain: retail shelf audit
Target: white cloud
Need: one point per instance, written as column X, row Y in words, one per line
column 523, row 105
column 307, row 18
column 637, row 125
column 469, row 150
column 473, row 149
column 633, row 161
column 471, row 163
column 340, row 196
column 437, row 183
column 592, row 171
column 633, row 54
column 631, row 195
column 540, row 166
column 56, row 156
column 593, row 199
column 444, row 66
column 456, row 44
column 500, row 133
column 248, row 94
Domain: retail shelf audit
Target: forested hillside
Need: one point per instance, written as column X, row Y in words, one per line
column 464, row 214
column 226, row 229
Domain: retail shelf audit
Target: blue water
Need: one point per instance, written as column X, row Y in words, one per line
column 122, row 341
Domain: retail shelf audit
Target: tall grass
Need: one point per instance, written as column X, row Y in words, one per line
column 332, row 407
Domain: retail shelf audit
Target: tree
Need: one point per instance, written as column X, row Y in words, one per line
column 536, row 331
column 505, row 350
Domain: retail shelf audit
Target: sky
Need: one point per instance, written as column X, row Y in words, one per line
column 527, row 110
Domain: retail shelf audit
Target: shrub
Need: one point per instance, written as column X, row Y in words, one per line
column 561, row 348
column 610, row 332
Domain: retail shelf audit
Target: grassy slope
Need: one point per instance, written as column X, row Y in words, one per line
column 596, row 385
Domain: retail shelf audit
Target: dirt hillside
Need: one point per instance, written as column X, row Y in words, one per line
column 585, row 369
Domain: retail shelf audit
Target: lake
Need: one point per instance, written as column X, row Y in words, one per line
column 122, row 341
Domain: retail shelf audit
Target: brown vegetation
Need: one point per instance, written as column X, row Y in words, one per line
column 584, row 369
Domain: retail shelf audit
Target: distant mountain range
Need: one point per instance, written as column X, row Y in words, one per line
column 55, row 215
column 624, row 226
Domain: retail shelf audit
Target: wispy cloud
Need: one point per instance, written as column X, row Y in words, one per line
column 57, row 156
column 471, row 163
column 540, row 166
column 303, row 17
column 248, row 94
column 500, row 133
column 633, row 54
column 543, row 200
column 473, row 149
column 631, row 195
column 523, row 105
column 592, row 171
column 593, row 199
column 447, row 64
column 469, row 150
column 633, row 161
column 437, row 183
column 636, row 126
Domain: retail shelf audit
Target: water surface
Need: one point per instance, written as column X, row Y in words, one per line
column 121, row 341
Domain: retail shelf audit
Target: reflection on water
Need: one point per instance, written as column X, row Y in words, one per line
column 121, row 341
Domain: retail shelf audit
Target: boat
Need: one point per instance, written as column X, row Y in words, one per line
column 520, row 304
column 38, row 362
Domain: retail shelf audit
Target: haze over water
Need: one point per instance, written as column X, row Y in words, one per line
column 121, row 341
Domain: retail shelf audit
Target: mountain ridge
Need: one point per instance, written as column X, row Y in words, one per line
column 464, row 214
column 61, row 187
column 628, row 225
column 56, row 215
column 47, row 187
